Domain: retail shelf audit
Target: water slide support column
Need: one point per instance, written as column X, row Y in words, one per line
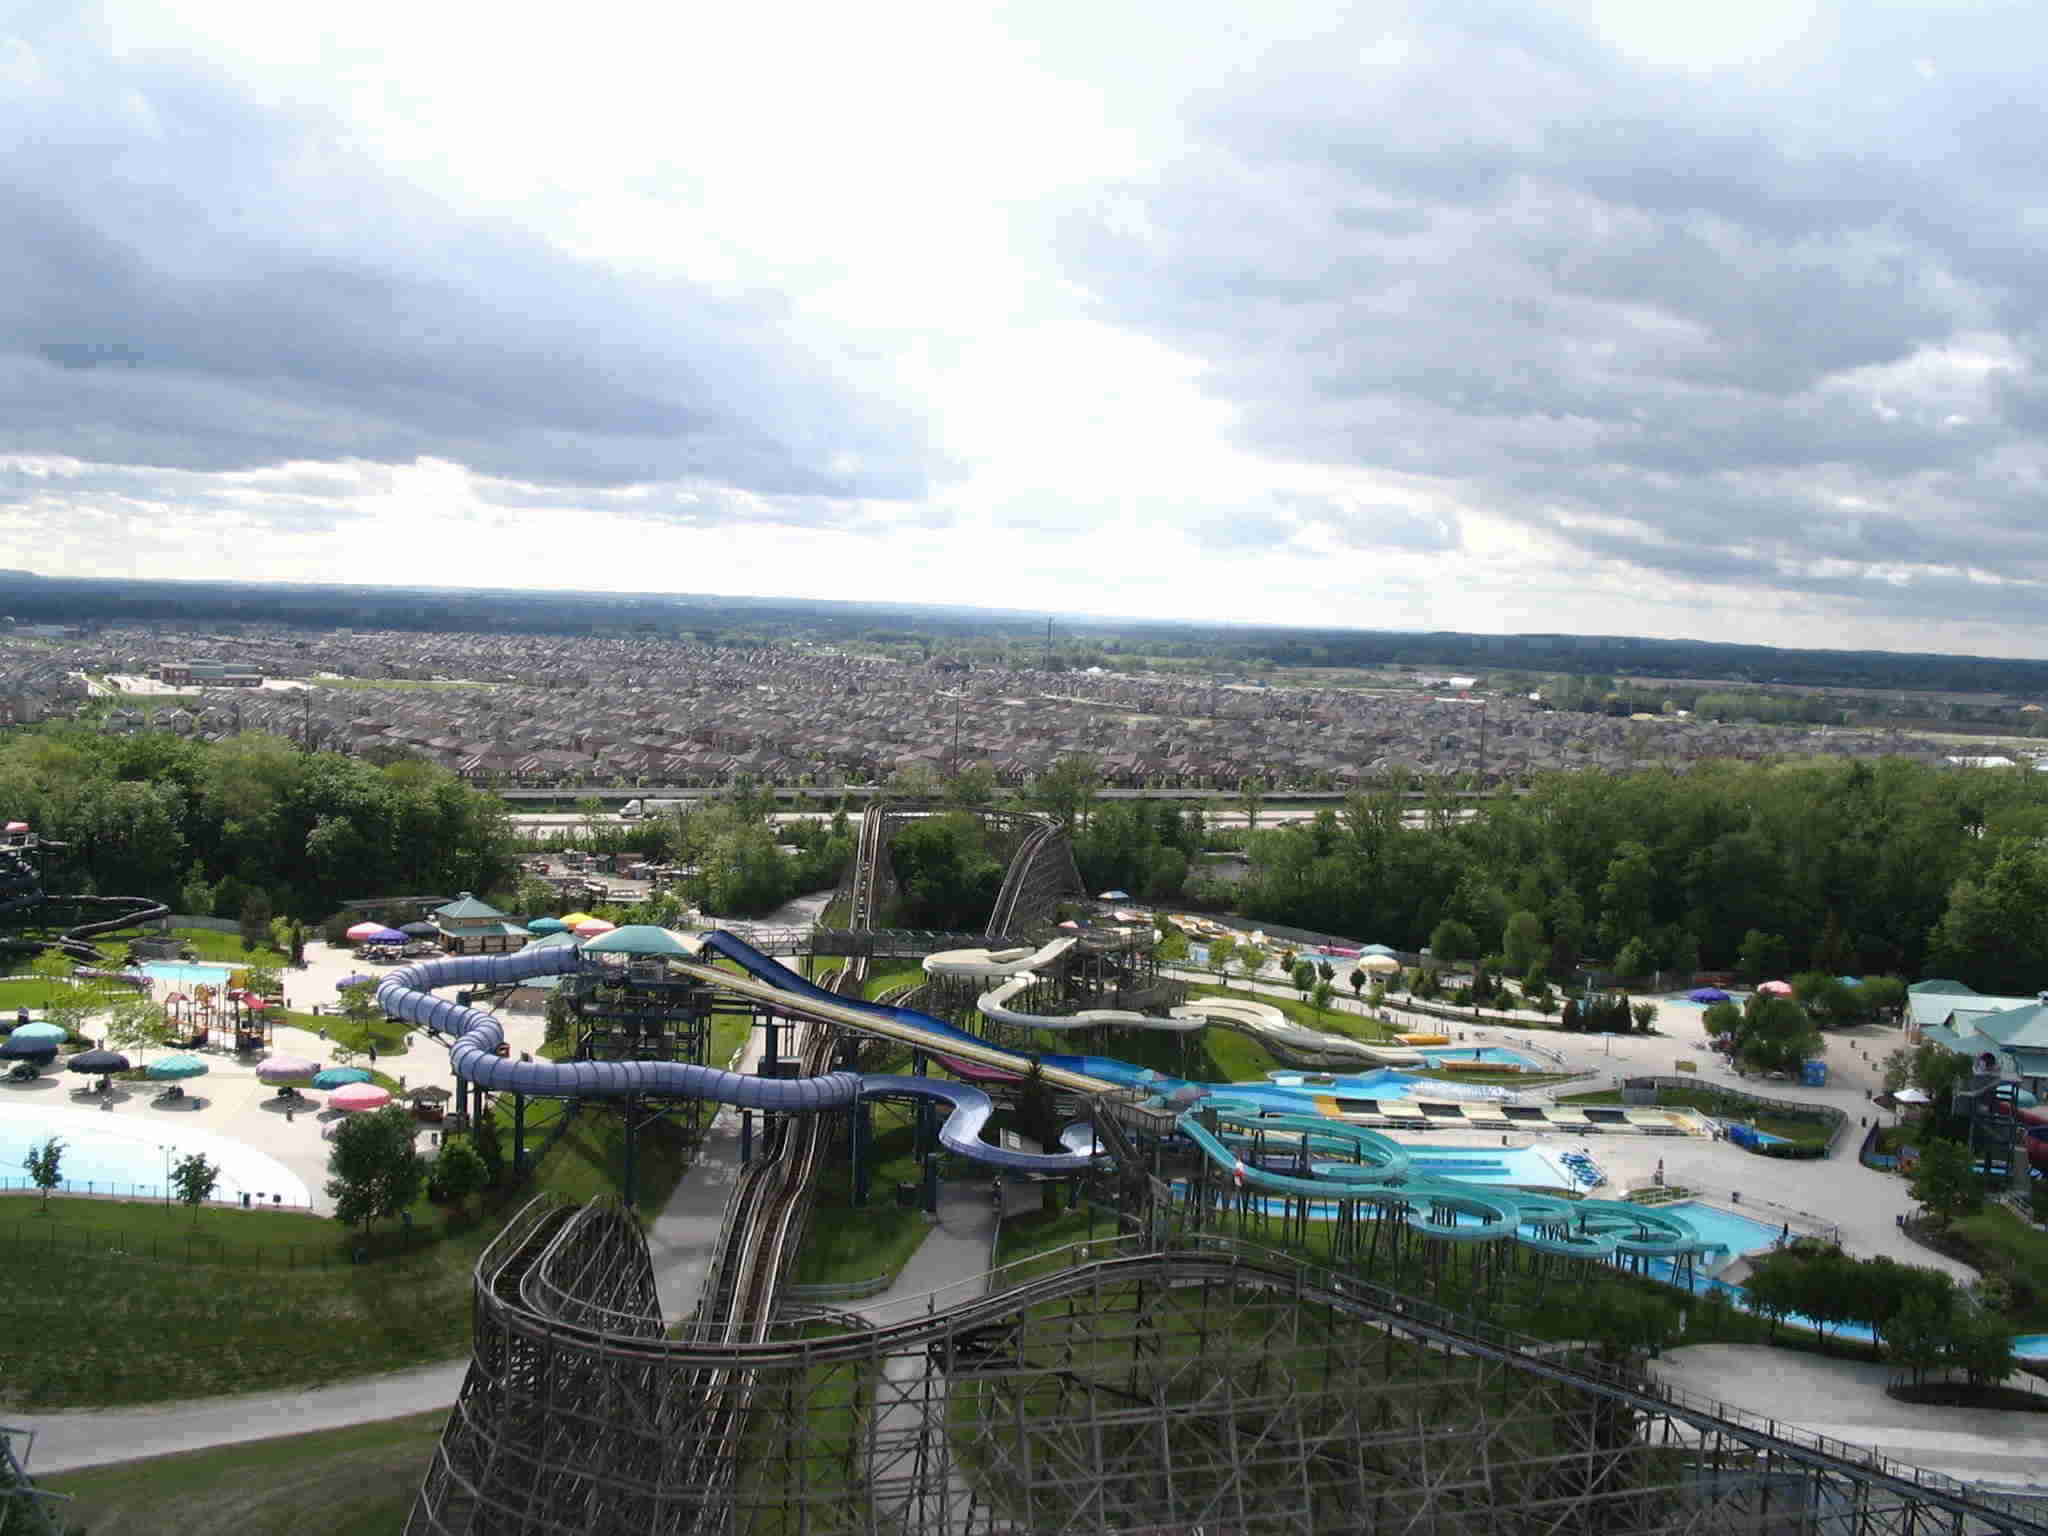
column 631, row 1190
column 856, row 1139
column 518, row 1136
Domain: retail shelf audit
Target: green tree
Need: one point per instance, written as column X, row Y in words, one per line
column 1635, row 958
column 1303, row 977
column 1626, row 895
column 1252, row 957
column 1980, row 1344
column 972, row 785
column 1067, row 789
column 1320, row 997
column 1944, row 1182
column 459, row 1171
column 45, row 1167
column 255, row 920
column 1762, row 955
column 1222, row 955
column 137, row 1023
column 1521, row 942
column 195, row 896
column 1775, row 1034
column 488, row 1140
column 1251, row 796
column 1917, row 1337
column 1645, row 1016
column 194, row 1178
column 1991, row 934
column 1452, row 941
column 1357, row 980
column 376, row 1171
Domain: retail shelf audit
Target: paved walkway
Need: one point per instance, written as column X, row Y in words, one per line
column 1846, row 1399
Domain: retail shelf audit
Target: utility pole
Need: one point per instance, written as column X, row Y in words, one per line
column 957, row 694
column 1048, row 645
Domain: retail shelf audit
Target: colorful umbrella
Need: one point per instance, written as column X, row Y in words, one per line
column 359, row 1096
column 592, row 926
column 547, row 925
column 571, row 919
column 176, row 1067
column 254, row 1003
column 384, row 936
column 339, row 1077
column 97, row 1063
column 1776, row 988
column 1114, row 896
column 1379, row 963
column 420, row 931
column 48, row 1034
column 18, row 1049
column 363, row 931
column 1707, row 995
column 285, row 1069
column 17, row 826
column 353, row 981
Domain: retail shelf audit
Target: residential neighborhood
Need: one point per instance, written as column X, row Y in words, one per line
column 535, row 711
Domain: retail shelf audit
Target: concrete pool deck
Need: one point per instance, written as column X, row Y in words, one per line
column 230, row 1101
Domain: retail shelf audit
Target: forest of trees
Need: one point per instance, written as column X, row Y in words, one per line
column 1846, row 867
column 204, row 827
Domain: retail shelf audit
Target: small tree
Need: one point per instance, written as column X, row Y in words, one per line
column 1452, row 941
column 196, row 894
column 459, row 1171
column 1944, row 1183
column 1645, row 1015
column 484, row 1136
column 1252, row 958
column 138, row 1023
column 1320, row 997
column 1303, row 976
column 1357, row 979
column 194, row 1178
column 1222, row 952
column 254, row 919
column 1980, row 1344
column 376, row 1170
column 1635, row 959
column 45, row 1164
column 1917, row 1336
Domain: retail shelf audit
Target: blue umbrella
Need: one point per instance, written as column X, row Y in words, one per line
column 339, row 1077
column 1708, row 995
column 18, row 1049
column 385, row 936
column 353, row 981
column 175, row 1067
column 49, row 1033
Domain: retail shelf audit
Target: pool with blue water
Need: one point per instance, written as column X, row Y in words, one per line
column 182, row 976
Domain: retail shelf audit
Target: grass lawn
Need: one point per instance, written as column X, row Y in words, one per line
column 237, row 1301
column 389, row 1035
column 358, row 1481
column 1356, row 1025
column 2001, row 1243
column 35, row 994
column 890, row 980
column 226, row 949
column 844, row 1243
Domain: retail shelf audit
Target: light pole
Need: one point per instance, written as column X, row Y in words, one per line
column 167, row 1171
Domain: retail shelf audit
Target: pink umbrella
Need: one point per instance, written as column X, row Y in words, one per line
column 362, row 931
column 17, row 826
column 285, row 1069
column 594, row 926
column 254, row 1003
column 1776, row 988
column 359, row 1096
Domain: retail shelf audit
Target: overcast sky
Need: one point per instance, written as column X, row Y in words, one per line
column 1597, row 317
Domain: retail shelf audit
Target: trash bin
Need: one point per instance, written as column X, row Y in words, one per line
column 906, row 1196
column 245, row 1199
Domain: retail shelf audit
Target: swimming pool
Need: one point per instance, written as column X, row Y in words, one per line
column 1491, row 1165
column 1496, row 1054
column 1735, row 1234
column 179, row 976
column 112, row 1154
column 2031, row 1346
column 1385, row 1083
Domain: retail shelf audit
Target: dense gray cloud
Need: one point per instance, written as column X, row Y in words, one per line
column 1791, row 340
column 274, row 298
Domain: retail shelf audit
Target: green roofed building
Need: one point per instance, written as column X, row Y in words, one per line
column 471, row 927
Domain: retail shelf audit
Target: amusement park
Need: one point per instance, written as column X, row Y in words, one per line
column 1301, row 1301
